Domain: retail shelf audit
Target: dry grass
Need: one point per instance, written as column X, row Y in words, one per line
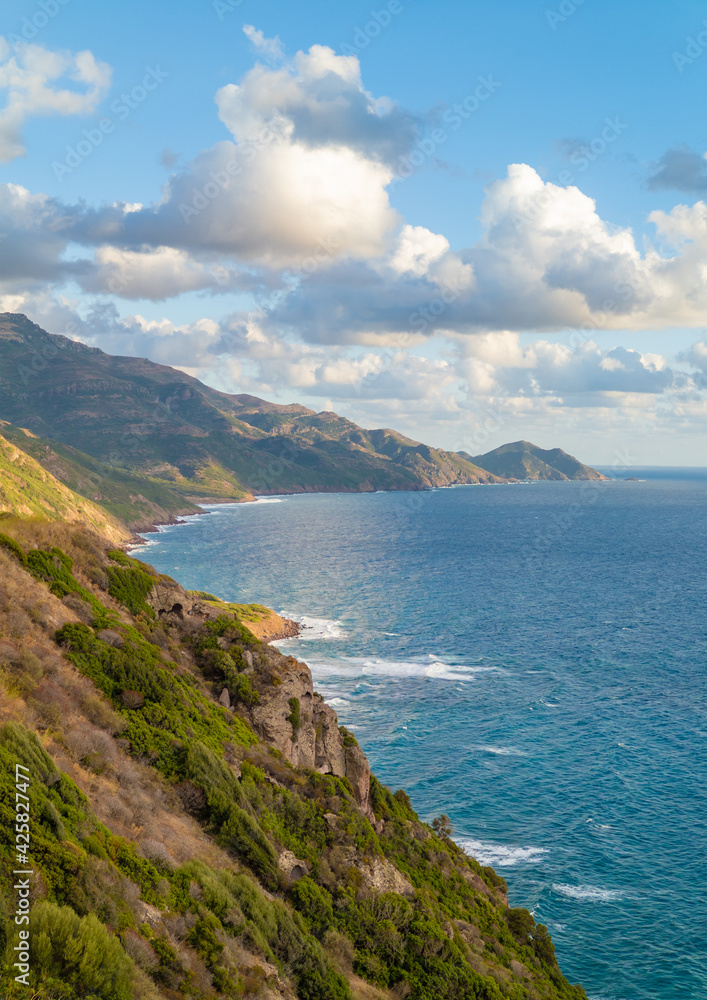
column 78, row 727
column 45, row 692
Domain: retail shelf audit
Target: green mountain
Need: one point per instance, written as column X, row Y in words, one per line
column 27, row 489
column 155, row 421
column 199, row 824
column 523, row 460
column 138, row 501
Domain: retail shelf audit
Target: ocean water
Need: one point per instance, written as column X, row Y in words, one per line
column 530, row 659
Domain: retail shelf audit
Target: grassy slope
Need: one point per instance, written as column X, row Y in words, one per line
column 28, row 490
column 162, row 844
column 137, row 500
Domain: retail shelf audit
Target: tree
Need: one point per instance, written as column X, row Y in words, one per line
column 443, row 826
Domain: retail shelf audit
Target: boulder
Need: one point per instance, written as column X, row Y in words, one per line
column 292, row 867
column 168, row 598
column 225, row 698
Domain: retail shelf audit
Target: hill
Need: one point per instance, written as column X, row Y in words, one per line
column 200, row 825
column 138, row 501
column 155, row 421
column 523, row 460
column 29, row 490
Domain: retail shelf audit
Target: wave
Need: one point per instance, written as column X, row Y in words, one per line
column 588, row 893
column 501, row 751
column 500, row 855
column 362, row 666
column 315, row 628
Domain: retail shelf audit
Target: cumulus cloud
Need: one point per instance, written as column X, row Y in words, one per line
column 158, row 273
column 546, row 261
column 306, row 173
column 37, row 81
column 497, row 364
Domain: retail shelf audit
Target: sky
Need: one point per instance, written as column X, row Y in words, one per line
column 470, row 222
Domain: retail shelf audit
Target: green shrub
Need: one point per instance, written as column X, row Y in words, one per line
column 12, row 547
column 314, row 903
column 349, row 740
column 241, row 690
column 130, row 584
column 78, row 951
column 242, row 834
column 294, row 716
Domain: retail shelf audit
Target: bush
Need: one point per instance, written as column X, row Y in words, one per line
column 130, row 585
column 16, row 550
column 78, row 951
column 241, row 690
column 314, row 903
column 243, row 835
column 294, row 716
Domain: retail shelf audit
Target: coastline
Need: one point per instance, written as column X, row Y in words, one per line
column 274, row 628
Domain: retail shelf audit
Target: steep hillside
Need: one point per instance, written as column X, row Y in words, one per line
column 156, row 421
column 139, row 501
column 200, row 824
column 28, row 490
column 523, row 460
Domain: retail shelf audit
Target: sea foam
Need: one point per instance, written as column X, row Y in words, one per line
column 501, row 855
column 588, row 893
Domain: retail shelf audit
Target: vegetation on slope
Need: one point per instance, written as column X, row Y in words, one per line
column 139, row 501
column 161, row 822
column 27, row 489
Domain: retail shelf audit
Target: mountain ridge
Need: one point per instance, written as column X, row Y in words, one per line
column 150, row 442
column 158, row 421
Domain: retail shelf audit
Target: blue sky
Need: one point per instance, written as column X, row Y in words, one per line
column 377, row 257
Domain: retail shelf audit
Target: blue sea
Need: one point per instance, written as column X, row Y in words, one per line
column 530, row 659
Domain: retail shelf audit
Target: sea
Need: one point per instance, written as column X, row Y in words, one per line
column 529, row 659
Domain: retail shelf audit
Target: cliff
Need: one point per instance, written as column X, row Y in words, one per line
column 200, row 824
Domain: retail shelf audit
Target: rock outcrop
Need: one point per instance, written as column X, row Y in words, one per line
column 295, row 719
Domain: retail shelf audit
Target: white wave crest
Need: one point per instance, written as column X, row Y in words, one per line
column 318, row 628
column 501, row 751
column 500, row 855
column 589, row 893
column 363, row 666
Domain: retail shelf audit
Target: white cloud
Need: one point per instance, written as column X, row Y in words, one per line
column 417, row 249
column 158, row 273
column 269, row 47
column 31, row 77
column 496, row 364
